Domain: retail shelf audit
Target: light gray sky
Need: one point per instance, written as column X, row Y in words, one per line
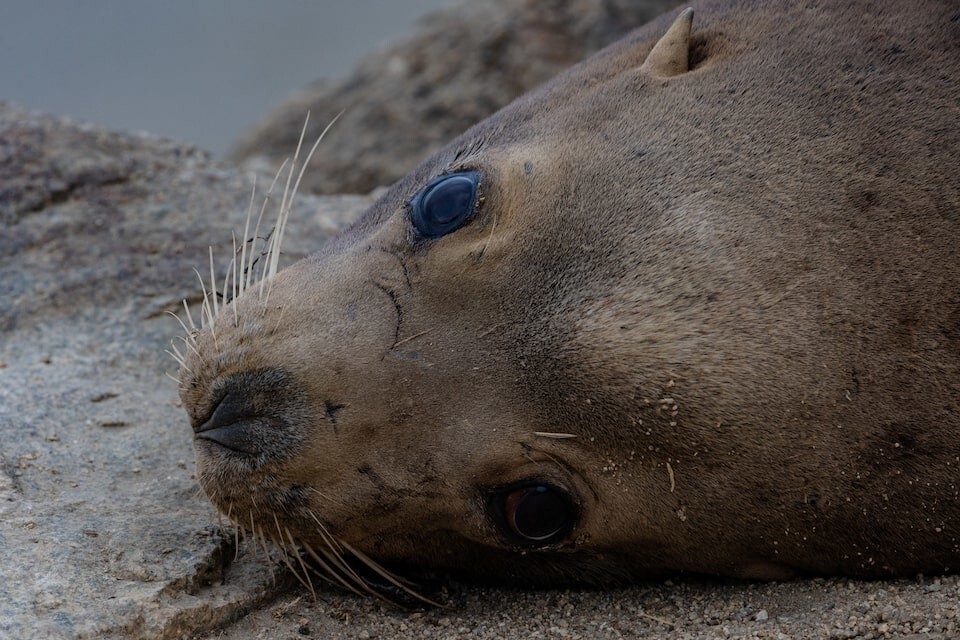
column 201, row 71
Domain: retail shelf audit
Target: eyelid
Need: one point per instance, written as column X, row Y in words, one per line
column 449, row 171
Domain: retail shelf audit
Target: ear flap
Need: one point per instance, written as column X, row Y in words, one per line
column 671, row 54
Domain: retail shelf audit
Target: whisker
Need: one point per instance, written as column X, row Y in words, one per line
column 236, row 280
column 183, row 325
column 188, row 338
column 328, row 538
column 237, row 533
column 193, row 326
column 343, row 569
column 256, row 233
column 243, row 283
column 175, row 355
column 330, row 574
column 273, row 252
column 303, row 565
column 313, row 149
column 285, row 556
column 206, row 311
column 226, row 282
column 259, row 537
column 286, row 202
column 213, row 287
column 179, row 356
column 280, row 546
column 410, row 338
column 332, row 543
column 387, row 575
column 326, row 497
column 190, row 344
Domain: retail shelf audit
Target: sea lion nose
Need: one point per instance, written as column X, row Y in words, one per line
column 234, row 424
column 260, row 413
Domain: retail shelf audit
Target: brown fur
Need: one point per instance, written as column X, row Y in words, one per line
column 738, row 287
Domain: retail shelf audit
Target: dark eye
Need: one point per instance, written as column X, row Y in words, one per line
column 537, row 513
column 445, row 204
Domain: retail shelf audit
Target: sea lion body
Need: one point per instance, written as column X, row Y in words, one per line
column 704, row 320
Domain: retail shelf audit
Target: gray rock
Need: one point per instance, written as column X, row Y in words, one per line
column 464, row 63
column 103, row 532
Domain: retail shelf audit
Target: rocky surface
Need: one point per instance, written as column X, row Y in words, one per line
column 461, row 65
column 834, row 609
column 102, row 530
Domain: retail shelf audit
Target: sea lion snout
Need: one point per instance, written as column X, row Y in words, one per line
column 253, row 383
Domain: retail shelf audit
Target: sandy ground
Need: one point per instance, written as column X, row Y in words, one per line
column 926, row 607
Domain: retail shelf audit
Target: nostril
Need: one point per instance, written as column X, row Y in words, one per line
column 238, row 436
column 233, row 424
column 233, row 406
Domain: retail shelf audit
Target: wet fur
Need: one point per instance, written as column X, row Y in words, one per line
column 738, row 288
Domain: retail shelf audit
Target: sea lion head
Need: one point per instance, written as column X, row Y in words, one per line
column 397, row 393
column 520, row 362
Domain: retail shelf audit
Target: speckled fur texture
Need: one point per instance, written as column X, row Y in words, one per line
column 737, row 288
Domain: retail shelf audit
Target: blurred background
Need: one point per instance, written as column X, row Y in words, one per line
column 201, row 71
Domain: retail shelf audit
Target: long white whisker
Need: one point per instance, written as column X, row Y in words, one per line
column 386, row 575
column 179, row 360
column 303, row 565
column 332, row 575
column 213, row 287
column 256, row 232
column 281, row 545
column 328, row 538
column 245, row 281
column 335, row 546
column 188, row 334
column 313, row 149
column 176, row 352
column 236, row 279
column 190, row 344
column 193, row 326
column 335, row 556
column 226, row 284
column 286, row 202
column 273, row 253
column 236, row 541
column 206, row 311
column 260, row 538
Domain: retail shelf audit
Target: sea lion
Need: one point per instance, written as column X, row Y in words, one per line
column 693, row 306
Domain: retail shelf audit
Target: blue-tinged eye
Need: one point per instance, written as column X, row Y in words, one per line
column 445, row 204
